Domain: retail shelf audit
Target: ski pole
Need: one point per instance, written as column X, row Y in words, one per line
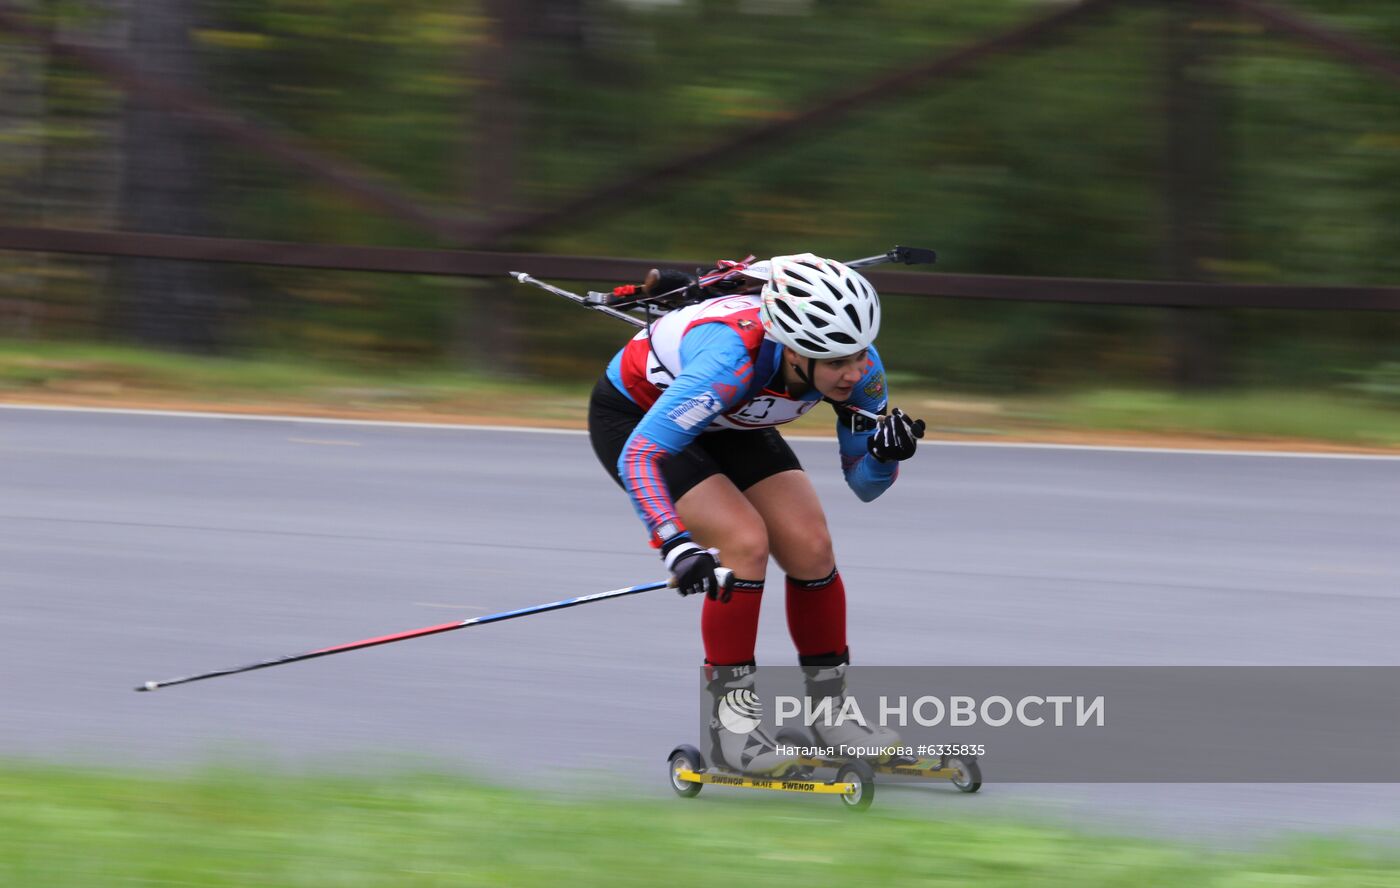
column 599, row 301
column 898, row 256
column 858, row 411
column 412, row 633
column 525, row 278
column 727, row 269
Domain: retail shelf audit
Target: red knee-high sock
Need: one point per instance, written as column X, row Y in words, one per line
column 730, row 629
column 816, row 613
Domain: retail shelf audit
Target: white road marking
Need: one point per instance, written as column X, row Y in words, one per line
column 532, row 430
column 266, row 417
column 325, row 441
column 1197, row 451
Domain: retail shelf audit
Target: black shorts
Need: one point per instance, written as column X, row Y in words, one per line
column 744, row 456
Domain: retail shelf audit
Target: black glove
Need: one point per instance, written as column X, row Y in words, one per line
column 896, row 437
column 681, row 287
column 695, row 570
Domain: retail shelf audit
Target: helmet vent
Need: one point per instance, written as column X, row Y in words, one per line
column 853, row 315
column 797, row 272
column 841, row 338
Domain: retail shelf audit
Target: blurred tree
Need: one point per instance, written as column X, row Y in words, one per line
column 1053, row 162
column 22, row 115
column 166, row 188
column 562, row 24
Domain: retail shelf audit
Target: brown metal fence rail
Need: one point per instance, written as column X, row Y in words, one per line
column 468, row 263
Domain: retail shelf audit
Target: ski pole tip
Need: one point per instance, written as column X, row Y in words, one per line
column 518, row 275
column 148, row 686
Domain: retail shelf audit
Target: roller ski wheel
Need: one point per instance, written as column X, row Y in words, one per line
column 862, row 780
column 685, row 758
column 970, row 773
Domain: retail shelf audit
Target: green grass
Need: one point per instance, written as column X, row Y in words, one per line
column 61, row 827
column 57, row 366
column 126, row 375
column 118, row 374
column 1340, row 417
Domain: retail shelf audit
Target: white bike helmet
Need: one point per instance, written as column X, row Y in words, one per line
column 819, row 308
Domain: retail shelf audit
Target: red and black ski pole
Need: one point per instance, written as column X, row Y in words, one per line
column 412, row 633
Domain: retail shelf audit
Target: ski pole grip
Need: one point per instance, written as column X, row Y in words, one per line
column 725, row 577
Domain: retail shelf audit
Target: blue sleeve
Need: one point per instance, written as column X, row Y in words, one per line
column 865, row 475
column 717, row 370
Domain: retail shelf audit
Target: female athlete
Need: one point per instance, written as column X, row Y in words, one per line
column 684, row 419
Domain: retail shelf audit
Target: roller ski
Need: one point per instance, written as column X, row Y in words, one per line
column 844, row 741
column 963, row 771
column 854, row 784
column 743, row 755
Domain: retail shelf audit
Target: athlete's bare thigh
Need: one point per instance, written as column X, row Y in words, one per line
column 796, row 524
column 719, row 516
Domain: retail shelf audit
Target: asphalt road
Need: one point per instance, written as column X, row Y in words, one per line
column 137, row 547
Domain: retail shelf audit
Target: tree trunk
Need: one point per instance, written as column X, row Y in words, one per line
column 165, row 189
column 1195, row 181
column 486, row 333
column 488, row 330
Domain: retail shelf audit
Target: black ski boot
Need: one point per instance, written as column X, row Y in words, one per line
column 737, row 739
